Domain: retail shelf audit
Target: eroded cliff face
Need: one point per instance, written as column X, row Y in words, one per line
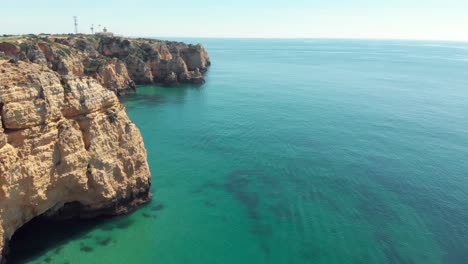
column 65, row 139
column 67, row 147
column 117, row 63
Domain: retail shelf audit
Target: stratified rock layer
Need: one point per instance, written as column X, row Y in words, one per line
column 65, row 139
column 117, row 63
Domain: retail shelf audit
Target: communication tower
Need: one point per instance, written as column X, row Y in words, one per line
column 75, row 19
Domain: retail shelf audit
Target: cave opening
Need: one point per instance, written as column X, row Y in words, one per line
column 44, row 234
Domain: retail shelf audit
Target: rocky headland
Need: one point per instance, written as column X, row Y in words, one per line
column 67, row 146
column 117, row 63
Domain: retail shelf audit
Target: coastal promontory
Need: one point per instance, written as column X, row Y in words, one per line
column 117, row 63
column 67, row 146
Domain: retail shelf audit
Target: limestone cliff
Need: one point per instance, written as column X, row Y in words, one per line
column 117, row 63
column 67, row 147
column 65, row 140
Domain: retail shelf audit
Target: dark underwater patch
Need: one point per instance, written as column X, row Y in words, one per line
column 85, row 248
column 58, row 250
column 447, row 223
column 144, row 99
column 196, row 191
column 327, row 200
column 124, row 223
column 201, row 189
column 209, row 204
column 265, row 248
column 374, row 210
column 107, row 227
column 281, row 210
column 238, row 184
column 262, row 230
column 390, row 249
column 104, row 241
column 157, row 207
column 146, row 215
column 309, row 252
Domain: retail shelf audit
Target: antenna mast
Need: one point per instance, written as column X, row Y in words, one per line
column 75, row 19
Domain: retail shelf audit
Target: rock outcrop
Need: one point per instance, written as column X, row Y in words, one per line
column 65, row 140
column 117, row 63
column 67, row 147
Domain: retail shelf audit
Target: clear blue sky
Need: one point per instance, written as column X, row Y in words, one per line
column 403, row 19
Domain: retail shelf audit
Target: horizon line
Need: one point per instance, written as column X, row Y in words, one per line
column 258, row 38
column 311, row 38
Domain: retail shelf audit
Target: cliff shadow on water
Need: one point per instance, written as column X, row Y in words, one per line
column 157, row 95
column 45, row 237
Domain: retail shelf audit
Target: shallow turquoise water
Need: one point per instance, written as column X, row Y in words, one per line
column 295, row 151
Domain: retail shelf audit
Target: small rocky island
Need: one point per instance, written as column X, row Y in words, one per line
column 67, row 146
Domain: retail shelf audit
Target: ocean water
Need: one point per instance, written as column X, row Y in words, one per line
column 294, row 151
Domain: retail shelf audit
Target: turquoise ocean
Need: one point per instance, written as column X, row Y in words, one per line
column 294, row 151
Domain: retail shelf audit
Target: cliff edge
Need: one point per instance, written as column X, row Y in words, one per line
column 117, row 63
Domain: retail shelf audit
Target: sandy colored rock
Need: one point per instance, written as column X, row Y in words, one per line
column 117, row 63
column 114, row 76
column 139, row 70
column 64, row 140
